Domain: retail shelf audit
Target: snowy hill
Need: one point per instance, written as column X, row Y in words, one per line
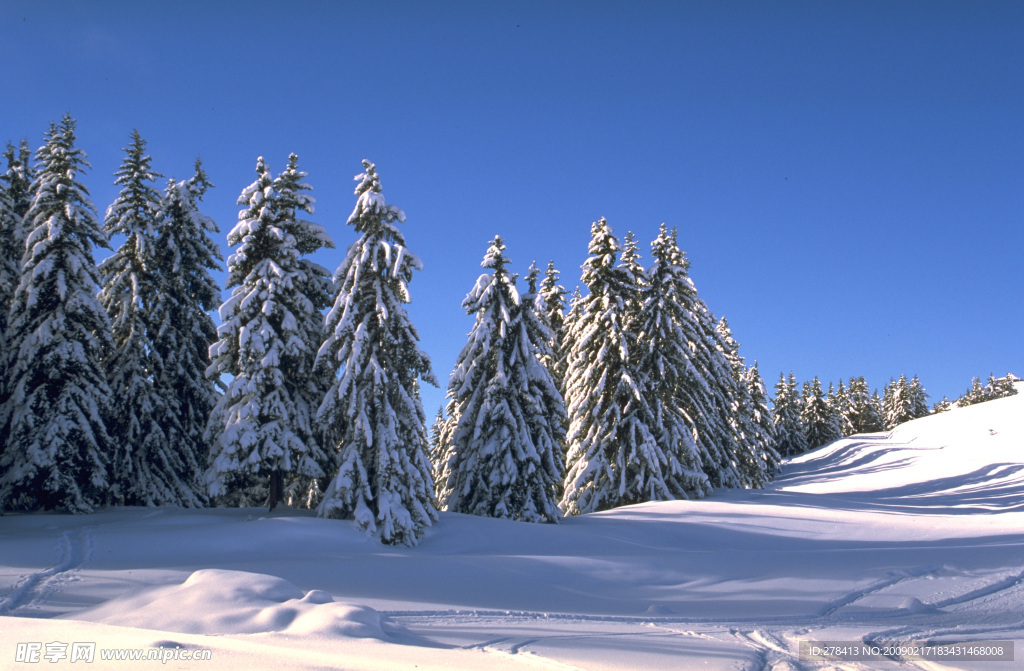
column 913, row 535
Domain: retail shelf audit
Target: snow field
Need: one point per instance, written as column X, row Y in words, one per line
column 918, row 534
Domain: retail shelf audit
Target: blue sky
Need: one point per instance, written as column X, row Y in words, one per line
column 846, row 177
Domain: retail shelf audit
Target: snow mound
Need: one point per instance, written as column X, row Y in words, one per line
column 216, row 601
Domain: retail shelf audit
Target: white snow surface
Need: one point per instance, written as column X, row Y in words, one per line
column 908, row 536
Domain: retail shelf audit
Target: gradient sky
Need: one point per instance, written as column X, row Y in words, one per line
column 846, row 177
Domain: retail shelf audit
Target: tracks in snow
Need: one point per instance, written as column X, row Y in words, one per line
column 74, row 549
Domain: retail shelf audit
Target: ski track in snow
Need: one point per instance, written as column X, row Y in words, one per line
column 773, row 643
column 74, row 550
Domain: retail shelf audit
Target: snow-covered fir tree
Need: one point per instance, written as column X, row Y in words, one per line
column 903, row 401
column 552, row 307
column 820, row 420
column 504, row 456
column 787, row 417
column 15, row 198
column 10, row 254
column 707, row 395
column 636, row 277
column 762, row 419
column 755, row 454
column 840, row 399
column 918, row 398
column 18, row 180
column 54, row 417
column 864, row 410
column 262, row 430
column 182, row 327
column 975, row 394
column 146, row 467
column 542, row 397
column 384, row 474
column 663, row 359
column 614, row 458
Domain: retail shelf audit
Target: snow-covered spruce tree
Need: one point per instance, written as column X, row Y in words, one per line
column 755, row 454
column 10, row 254
column 182, row 328
column 863, row 409
column 384, row 479
column 843, row 408
column 820, row 420
column 762, row 419
column 706, row 394
column 55, row 414
column 503, row 460
column 614, row 457
column 262, row 430
column 552, row 307
column 15, row 198
column 787, row 417
column 918, row 398
column 663, row 357
column 902, row 402
column 18, row 181
column 636, row 277
column 975, row 394
column 145, row 467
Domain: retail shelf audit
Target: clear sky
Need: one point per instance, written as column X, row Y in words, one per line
column 846, row 177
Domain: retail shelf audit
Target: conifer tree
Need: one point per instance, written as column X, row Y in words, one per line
column 636, row 277
column 384, row 473
column 15, row 198
column 976, row 394
column 614, row 458
column 762, row 420
column 146, row 468
column 663, row 358
column 552, row 308
column 787, row 417
column 843, row 408
column 822, row 424
column 918, row 398
column 754, row 454
column 55, row 413
column 182, row 328
column 900, row 402
column 865, row 416
column 503, row 458
column 262, row 430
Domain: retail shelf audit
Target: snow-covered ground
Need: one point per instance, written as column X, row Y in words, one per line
column 915, row 535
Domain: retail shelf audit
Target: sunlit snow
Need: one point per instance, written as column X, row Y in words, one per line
column 912, row 535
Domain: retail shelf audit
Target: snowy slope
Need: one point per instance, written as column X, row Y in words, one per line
column 911, row 535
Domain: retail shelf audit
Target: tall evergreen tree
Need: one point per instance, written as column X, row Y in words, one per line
column 755, row 453
column 821, row 422
column 864, row 415
column 182, row 327
column 15, row 198
column 787, row 417
column 663, row 357
column 262, row 428
column 843, row 408
column 146, row 468
column 614, row 458
column 918, row 398
column 503, row 460
column 384, row 474
column 901, row 402
column 55, row 413
column 552, row 307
